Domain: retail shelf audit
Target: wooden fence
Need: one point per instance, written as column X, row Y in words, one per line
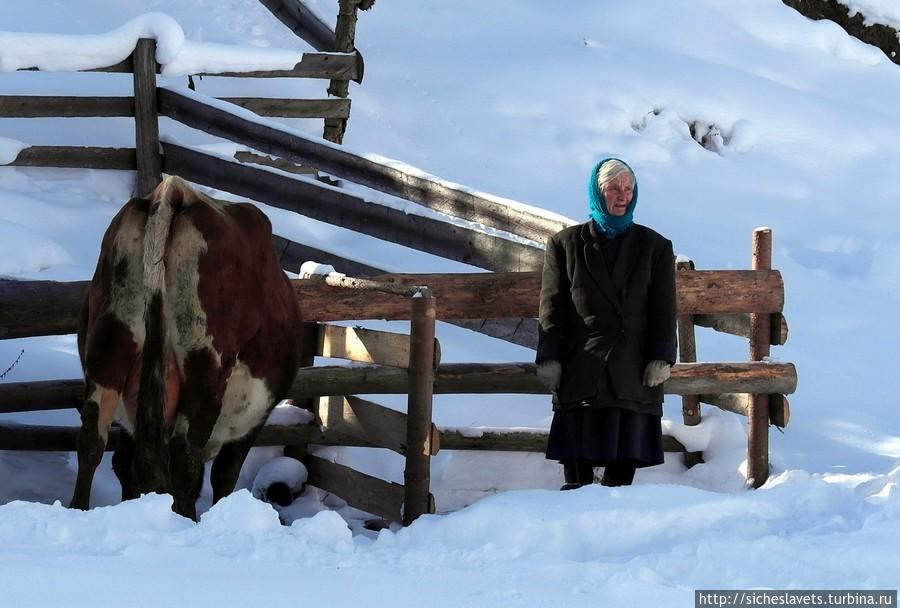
column 502, row 303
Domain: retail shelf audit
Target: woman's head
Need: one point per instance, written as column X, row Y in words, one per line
column 616, row 182
column 612, row 195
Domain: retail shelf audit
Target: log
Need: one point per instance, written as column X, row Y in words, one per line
column 760, row 341
column 40, row 396
column 521, row 331
column 30, row 308
column 411, row 185
column 146, row 116
column 367, row 345
column 311, row 65
column 419, row 428
column 46, row 106
column 505, row 440
column 293, row 108
column 513, row 378
column 344, row 40
column 739, row 403
column 366, row 421
column 687, row 353
column 49, row 106
column 461, row 296
column 303, row 22
column 77, row 157
column 276, row 163
column 63, row 439
column 739, row 325
column 362, row 491
column 40, row 308
column 339, row 208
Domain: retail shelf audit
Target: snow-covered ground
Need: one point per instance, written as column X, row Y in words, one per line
column 519, row 100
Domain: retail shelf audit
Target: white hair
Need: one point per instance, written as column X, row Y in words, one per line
column 612, row 169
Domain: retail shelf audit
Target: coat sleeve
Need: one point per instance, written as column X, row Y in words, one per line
column 554, row 302
column 662, row 341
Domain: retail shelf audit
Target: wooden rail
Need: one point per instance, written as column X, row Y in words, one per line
column 41, row 438
column 311, row 65
column 410, row 185
column 40, row 308
column 44, row 106
column 337, row 207
column 759, row 377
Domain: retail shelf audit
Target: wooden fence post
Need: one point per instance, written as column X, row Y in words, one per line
column 146, row 121
column 760, row 330
column 345, row 39
column 417, row 476
column 687, row 353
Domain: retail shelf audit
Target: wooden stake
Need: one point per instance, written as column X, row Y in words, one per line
column 687, row 353
column 146, row 125
column 417, row 476
column 345, row 38
column 760, row 338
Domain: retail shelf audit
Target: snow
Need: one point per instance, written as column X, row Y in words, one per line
column 516, row 99
column 175, row 54
column 310, row 269
column 9, row 150
column 886, row 12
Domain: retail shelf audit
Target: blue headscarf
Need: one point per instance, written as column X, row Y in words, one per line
column 610, row 225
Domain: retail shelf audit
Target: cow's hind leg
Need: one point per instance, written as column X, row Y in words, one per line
column 200, row 402
column 96, row 418
column 122, row 462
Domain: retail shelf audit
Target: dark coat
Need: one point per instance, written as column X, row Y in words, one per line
column 589, row 319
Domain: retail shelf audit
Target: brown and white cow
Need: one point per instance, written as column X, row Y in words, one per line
column 189, row 335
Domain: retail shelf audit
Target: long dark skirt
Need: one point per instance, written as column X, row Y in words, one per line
column 603, row 435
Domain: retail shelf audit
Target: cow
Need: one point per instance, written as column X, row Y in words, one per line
column 189, row 335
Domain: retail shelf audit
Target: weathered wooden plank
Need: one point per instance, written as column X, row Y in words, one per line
column 39, row 396
column 30, row 308
column 77, row 157
column 303, row 22
column 362, row 491
column 367, row 345
column 489, row 378
column 47, row 106
column 760, row 346
column 146, row 116
column 293, row 108
column 739, row 403
column 739, row 325
column 408, row 184
column 505, row 440
column 40, row 308
column 365, row 420
column 521, row 331
column 450, row 378
column 339, row 208
column 311, row 65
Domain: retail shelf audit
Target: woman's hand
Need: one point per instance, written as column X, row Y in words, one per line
column 656, row 373
column 549, row 373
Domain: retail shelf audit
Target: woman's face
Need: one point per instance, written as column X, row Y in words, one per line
column 618, row 192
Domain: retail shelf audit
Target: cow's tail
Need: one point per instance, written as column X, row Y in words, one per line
column 150, row 465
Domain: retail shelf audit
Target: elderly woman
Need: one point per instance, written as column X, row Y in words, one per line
column 607, row 335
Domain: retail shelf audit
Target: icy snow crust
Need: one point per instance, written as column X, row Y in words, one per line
column 807, row 132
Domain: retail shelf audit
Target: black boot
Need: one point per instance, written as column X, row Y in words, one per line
column 577, row 473
column 618, row 474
